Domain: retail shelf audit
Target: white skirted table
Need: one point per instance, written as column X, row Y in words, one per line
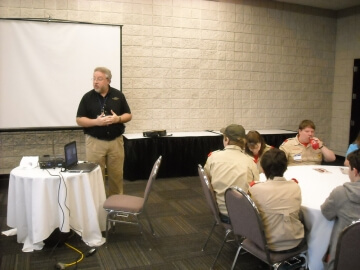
column 39, row 201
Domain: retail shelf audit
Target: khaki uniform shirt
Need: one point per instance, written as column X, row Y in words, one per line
column 230, row 167
column 299, row 154
column 279, row 202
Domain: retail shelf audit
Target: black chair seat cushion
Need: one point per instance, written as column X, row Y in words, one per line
column 274, row 256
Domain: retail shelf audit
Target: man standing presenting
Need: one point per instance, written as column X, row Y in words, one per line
column 102, row 113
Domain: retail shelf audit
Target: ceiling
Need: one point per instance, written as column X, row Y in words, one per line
column 326, row 4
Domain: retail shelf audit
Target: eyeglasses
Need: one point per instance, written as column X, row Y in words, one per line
column 100, row 79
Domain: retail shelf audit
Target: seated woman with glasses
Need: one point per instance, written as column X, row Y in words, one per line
column 256, row 146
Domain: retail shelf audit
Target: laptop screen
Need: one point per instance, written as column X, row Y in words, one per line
column 70, row 154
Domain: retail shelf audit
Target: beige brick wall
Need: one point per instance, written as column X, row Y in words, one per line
column 347, row 49
column 15, row 145
column 191, row 65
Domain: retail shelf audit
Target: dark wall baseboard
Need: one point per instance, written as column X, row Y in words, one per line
column 4, row 180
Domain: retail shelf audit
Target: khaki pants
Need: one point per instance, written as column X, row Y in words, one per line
column 109, row 154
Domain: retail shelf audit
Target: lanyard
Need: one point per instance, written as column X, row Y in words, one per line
column 103, row 105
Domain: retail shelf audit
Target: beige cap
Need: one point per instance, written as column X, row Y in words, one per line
column 234, row 132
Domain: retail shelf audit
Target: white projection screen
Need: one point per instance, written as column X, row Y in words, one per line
column 47, row 66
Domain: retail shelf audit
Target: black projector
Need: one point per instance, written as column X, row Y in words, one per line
column 47, row 162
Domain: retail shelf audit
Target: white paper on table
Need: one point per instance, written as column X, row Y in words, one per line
column 29, row 162
column 344, row 170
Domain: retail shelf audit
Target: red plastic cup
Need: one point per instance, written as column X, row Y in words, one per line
column 314, row 144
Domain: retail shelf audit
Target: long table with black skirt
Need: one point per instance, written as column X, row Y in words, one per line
column 181, row 151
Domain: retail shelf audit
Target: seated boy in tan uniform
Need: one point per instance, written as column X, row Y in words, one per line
column 278, row 202
column 300, row 151
column 230, row 166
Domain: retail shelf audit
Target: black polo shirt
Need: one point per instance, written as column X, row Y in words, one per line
column 92, row 104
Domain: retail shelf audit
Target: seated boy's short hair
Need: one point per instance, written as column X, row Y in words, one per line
column 306, row 123
column 274, row 163
column 354, row 159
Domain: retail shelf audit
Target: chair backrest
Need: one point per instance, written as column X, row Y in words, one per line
column 348, row 246
column 209, row 193
column 152, row 178
column 245, row 217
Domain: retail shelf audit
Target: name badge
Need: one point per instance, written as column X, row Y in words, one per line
column 297, row 157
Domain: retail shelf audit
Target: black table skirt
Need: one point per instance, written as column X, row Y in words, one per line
column 181, row 155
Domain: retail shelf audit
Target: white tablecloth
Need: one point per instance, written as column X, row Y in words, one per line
column 315, row 188
column 38, row 203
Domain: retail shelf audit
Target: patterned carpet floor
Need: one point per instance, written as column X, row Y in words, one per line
column 181, row 220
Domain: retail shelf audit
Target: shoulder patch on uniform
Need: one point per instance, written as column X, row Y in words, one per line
column 296, row 181
column 252, row 183
column 213, row 152
column 285, row 141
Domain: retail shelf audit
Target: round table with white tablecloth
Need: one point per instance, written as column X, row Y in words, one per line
column 39, row 201
column 316, row 183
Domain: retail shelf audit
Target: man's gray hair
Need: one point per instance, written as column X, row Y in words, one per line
column 104, row 70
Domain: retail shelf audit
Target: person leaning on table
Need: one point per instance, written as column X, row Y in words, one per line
column 230, row 166
column 299, row 150
column 256, row 147
column 279, row 203
column 343, row 206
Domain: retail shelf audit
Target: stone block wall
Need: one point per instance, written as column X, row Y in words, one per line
column 15, row 145
column 347, row 49
column 192, row 65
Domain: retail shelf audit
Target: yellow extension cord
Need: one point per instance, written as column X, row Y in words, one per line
column 79, row 260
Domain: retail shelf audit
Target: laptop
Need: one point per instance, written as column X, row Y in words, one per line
column 71, row 160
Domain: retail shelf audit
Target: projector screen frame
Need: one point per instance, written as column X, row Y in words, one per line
column 51, row 20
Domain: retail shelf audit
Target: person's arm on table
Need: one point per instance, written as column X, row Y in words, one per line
column 329, row 207
column 328, row 155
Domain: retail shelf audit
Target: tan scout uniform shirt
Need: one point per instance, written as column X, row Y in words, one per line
column 279, row 202
column 227, row 168
column 299, row 154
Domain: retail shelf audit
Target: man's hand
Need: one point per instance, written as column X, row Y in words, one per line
column 114, row 118
column 102, row 120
